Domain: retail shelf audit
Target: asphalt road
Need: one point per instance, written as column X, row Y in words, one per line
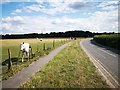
column 106, row 56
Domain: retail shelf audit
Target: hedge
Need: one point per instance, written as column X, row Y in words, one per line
column 111, row 40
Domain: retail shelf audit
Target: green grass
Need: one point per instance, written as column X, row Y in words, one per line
column 71, row 68
column 14, row 46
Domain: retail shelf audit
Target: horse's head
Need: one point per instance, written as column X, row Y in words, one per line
column 22, row 46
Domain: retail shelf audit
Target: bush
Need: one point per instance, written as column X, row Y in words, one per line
column 111, row 40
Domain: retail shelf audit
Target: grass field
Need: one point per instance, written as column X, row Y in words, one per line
column 71, row 68
column 14, row 46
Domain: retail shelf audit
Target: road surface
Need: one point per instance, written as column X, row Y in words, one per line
column 107, row 57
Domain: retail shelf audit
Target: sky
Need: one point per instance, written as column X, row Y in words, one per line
column 45, row 16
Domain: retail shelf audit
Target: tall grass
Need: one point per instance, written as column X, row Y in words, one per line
column 111, row 40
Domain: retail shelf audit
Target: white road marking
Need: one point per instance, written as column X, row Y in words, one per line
column 96, row 62
column 106, row 52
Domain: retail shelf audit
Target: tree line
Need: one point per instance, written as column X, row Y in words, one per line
column 67, row 34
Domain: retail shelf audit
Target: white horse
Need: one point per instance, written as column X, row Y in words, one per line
column 25, row 47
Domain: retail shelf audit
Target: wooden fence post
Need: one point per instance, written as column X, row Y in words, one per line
column 53, row 43
column 43, row 46
column 9, row 60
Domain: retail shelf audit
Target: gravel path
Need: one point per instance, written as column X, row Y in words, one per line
column 26, row 73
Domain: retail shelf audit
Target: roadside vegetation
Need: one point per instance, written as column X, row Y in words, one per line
column 38, row 49
column 71, row 68
column 111, row 40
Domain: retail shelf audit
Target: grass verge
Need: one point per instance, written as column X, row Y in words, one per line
column 71, row 68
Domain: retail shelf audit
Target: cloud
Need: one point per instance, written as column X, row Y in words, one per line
column 66, row 21
column 16, row 11
column 12, row 24
column 13, row 20
column 97, row 22
column 110, row 8
column 107, row 3
column 105, row 20
column 34, row 7
column 55, row 7
column 26, row 24
column 8, row 28
column 80, row 5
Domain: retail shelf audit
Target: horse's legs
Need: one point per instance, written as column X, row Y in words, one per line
column 22, row 56
column 31, row 52
column 28, row 55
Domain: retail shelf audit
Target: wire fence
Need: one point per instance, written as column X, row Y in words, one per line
column 39, row 47
column 11, row 64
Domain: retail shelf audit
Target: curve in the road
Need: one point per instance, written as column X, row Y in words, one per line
column 105, row 59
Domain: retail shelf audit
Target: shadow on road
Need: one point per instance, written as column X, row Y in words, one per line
column 105, row 47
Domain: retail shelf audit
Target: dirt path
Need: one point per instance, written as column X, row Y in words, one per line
column 26, row 73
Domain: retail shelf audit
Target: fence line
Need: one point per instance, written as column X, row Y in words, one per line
column 43, row 47
column 62, row 41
